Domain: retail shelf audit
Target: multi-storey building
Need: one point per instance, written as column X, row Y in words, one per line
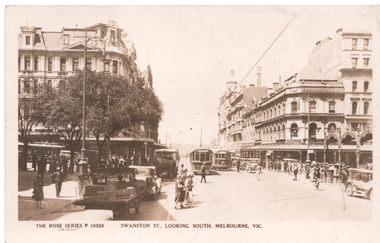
column 47, row 56
column 348, row 57
column 232, row 105
column 322, row 113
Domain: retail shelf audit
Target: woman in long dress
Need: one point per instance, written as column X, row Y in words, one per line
column 182, row 191
column 189, row 188
column 38, row 190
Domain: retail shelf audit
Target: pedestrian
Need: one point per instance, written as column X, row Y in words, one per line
column 189, row 188
column 258, row 171
column 34, row 160
column 317, row 175
column 203, row 172
column 344, row 174
column 307, row 171
column 184, row 173
column 181, row 169
column 177, row 192
column 42, row 165
column 182, row 190
column 295, row 170
column 57, row 177
column 238, row 165
column 38, row 191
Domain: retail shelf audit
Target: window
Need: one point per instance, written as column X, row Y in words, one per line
column 75, row 63
column 27, row 40
column 63, row 64
column 313, row 106
column 365, row 62
column 106, row 67
column 354, row 62
column 50, row 64
column 112, row 37
column 366, row 106
column 332, row 127
column 332, row 107
column 283, row 108
column 294, row 131
column 294, row 107
column 354, row 108
column 36, row 63
column 27, row 87
column 19, row 63
column 114, row 66
column 66, row 39
column 312, row 131
column 354, row 86
column 35, row 86
column 354, row 126
column 366, row 85
column 354, row 44
column 102, row 34
column 88, row 63
column 19, row 86
column 366, row 42
column 27, row 63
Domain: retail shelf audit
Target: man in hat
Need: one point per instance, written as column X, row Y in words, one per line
column 58, row 178
column 203, row 172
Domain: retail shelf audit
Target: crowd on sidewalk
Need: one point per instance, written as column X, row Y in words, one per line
column 184, row 184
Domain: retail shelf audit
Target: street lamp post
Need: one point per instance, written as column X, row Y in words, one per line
column 83, row 161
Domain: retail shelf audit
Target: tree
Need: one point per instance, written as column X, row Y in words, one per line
column 28, row 115
column 62, row 109
column 107, row 104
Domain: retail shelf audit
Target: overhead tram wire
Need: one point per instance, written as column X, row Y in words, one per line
column 252, row 67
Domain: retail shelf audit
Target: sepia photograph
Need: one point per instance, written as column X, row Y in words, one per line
column 194, row 123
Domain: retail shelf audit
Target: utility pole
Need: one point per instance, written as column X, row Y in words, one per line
column 201, row 139
column 308, row 129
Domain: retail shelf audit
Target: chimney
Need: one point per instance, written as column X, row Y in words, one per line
column 258, row 76
column 279, row 81
column 339, row 31
column 231, row 83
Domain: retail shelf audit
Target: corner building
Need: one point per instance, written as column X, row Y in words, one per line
column 47, row 56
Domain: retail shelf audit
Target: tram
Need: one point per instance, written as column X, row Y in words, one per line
column 200, row 156
column 222, row 160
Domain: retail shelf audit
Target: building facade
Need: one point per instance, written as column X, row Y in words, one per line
column 322, row 113
column 47, row 56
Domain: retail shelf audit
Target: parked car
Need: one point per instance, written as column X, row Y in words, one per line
column 252, row 164
column 148, row 184
column 360, row 181
column 111, row 189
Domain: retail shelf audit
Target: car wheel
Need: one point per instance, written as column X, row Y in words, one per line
column 154, row 196
column 349, row 190
column 371, row 195
column 137, row 208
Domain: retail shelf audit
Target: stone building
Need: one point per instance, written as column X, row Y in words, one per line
column 47, row 56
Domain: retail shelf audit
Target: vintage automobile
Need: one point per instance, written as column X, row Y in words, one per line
column 252, row 164
column 111, row 189
column 148, row 184
column 360, row 181
column 166, row 162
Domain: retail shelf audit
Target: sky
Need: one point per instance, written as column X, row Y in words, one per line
column 191, row 49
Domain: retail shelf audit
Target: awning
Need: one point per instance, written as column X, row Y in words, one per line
column 41, row 145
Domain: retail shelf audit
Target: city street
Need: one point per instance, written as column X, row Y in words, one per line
column 231, row 196
column 227, row 196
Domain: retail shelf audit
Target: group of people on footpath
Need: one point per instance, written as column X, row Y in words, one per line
column 120, row 161
column 184, row 189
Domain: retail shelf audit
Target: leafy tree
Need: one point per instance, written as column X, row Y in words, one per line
column 28, row 116
column 62, row 109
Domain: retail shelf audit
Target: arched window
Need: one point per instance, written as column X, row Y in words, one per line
column 354, row 86
column 354, row 108
column 283, row 108
column 313, row 131
column 331, row 107
column 279, row 131
column 275, row 112
column 366, row 106
column 313, row 106
column 294, row 131
column 294, row 107
column 366, row 86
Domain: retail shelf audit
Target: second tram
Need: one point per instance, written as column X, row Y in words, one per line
column 200, row 156
column 222, row 160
